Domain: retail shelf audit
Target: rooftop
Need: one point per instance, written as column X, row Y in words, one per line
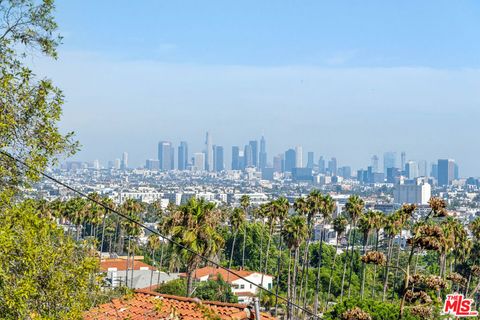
column 150, row 305
column 121, row 264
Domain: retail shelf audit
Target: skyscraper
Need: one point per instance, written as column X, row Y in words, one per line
column 165, row 155
column 375, row 163
column 321, row 165
column 298, row 157
column 182, row 155
column 332, row 166
column 199, row 161
column 403, row 158
column 235, row 158
column 278, row 163
column 254, row 150
column 124, row 163
column 422, row 168
column 248, row 156
column 310, row 159
column 411, row 170
column 290, row 160
column 389, row 161
column 208, row 152
column 262, row 156
column 218, row 164
column 446, row 171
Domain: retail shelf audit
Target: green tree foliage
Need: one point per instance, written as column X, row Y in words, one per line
column 376, row 309
column 43, row 272
column 30, row 108
column 177, row 287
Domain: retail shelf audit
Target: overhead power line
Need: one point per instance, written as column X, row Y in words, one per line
column 206, row 259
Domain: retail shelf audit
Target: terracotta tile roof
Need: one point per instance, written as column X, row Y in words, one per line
column 147, row 305
column 121, row 265
column 212, row 272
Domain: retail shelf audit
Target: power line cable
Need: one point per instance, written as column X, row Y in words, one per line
column 86, row 196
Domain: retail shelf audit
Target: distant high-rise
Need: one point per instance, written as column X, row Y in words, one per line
column 199, row 161
column 182, row 156
column 403, row 158
column 298, row 157
column 375, row 163
column 165, row 155
column 262, row 156
column 116, row 164
column 278, row 163
column 235, row 158
column 389, row 161
column 96, row 164
column 124, row 163
column 446, row 171
column 310, row 159
column 422, row 168
column 434, row 171
column 218, row 164
column 208, row 152
column 254, row 150
column 290, row 160
column 411, row 170
column 248, row 156
column 332, row 166
column 321, row 165
column 152, row 164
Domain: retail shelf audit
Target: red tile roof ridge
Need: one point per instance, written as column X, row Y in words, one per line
column 196, row 300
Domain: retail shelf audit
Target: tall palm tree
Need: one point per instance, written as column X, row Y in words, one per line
column 244, row 203
column 327, row 207
column 153, row 243
column 237, row 221
column 339, row 226
column 366, row 224
column 294, row 232
column 301, row 207
column 354, row 208
column 379, row 223
column 391, row 229
column 195, row 226
column 278, row 211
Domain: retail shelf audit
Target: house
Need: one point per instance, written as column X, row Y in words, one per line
column 148, row 305
column 243, row 289
column 138, row 274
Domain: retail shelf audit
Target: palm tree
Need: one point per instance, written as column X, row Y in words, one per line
column 354, row 208
column 327, row 207
column 278, row 211
column 366, row 224
column 237, row 221
column 378, row 224
column 195, row 226
column 391, row 229
column 294, row 232
column 301, row 207
column 153, row 243
column 339, row 226
column 244, row 203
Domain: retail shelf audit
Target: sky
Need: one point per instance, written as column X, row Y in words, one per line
column 341, row 78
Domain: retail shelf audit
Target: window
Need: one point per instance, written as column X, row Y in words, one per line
column 269, row 286
column 242, row 286
column 251, row 286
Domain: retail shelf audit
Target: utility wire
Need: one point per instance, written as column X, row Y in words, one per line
column 86, row 196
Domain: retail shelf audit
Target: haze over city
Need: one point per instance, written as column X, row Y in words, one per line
column 339, row 86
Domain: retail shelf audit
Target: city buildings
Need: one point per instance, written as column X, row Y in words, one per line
column 446, row 171
column 208, row 152
column 415, row 191
column 182, row 156
column 165, row 155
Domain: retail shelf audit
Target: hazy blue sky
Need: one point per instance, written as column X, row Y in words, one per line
column 342, row 78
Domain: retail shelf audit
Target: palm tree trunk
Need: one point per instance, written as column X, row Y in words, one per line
column 161, row 263
column 396, row 270
column 231, row 253
column 189, row 282
column 407, row 278
column 279, row 264
column 266, row 255
column 294, row 278
column 362, row 289
column 375, row 266
column 331, row 270
column 351, row 260
column 345, row 266
column 153, row 259
column 387, row 269
column 103, row 233
column 243, row 249
column 306, row 266
column 289, row 287
column 319, row 266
